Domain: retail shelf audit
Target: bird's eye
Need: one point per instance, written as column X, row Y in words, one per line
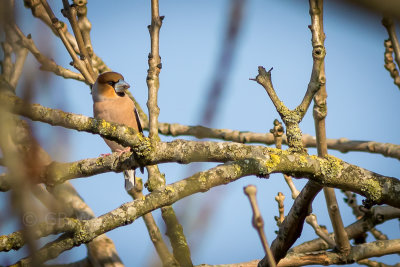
column 111, row 83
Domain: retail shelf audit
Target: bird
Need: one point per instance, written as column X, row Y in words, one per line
column 112, row 103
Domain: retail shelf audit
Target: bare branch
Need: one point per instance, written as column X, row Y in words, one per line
column 16, row 240
column 291, row 228
column 342, row 144
column 376, row 264
column 329, row 171
column 58, row 25
column 377, row 216
column 277, row 131
column 46, row 63
column 392, row 46
column 281, row 207
column 71, row 13
column 129, row 212
column 258, row 222
column 320, row 112
column 175, row 233
column 155, row 235
column 363, row 251
column 312, row 220
column 389, row 25
column 291, row 118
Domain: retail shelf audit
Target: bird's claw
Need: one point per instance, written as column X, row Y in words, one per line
column 120, row 151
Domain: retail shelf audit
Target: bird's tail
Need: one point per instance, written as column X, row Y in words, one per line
column 130, row 178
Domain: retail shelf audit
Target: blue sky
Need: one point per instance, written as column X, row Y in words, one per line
column 362, row 105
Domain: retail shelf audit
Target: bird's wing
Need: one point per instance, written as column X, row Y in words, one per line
column 139, row 124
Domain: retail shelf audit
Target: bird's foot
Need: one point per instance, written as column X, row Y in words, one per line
column 104, row 155
column 120, row 151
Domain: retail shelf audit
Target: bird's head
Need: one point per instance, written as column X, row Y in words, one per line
column 109, row 85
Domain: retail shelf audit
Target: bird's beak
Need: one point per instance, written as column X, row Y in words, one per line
column 121, row 86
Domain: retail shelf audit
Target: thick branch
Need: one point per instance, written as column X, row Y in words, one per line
column 343, row 145
column 329, row 171
column 127, row 213
column 16, row 240
column 291, row 228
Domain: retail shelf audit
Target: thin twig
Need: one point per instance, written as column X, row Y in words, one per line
column 281, row 207
column 39, row 11
column 389, row 25
column 84, row 24
column 46, row 63
column 20, row 53
column 70, row 13
column 392, row 46
column 77, row 63
column 312, row 220
column 291, row 228
column 378, row 234
column 278, row 131
column 258, row 222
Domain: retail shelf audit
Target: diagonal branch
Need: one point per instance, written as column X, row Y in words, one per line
column 154, row 232
column 378, row 215
column 129, row 212
column 46, row 63
column 71, row 13
column 291, row 228
column 58, row 26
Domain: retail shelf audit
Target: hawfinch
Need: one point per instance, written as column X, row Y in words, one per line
column 111, row 103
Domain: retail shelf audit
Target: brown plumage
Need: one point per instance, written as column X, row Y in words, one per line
column 111, row 103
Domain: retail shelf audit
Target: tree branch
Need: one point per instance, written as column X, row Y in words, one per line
column 154, row 232
column 46, row 63
column 342, row 144
column 291, row 228
column 58, row 26
column 378, row 215
column 320, row 112
column 363, row 251
column 129, row 212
